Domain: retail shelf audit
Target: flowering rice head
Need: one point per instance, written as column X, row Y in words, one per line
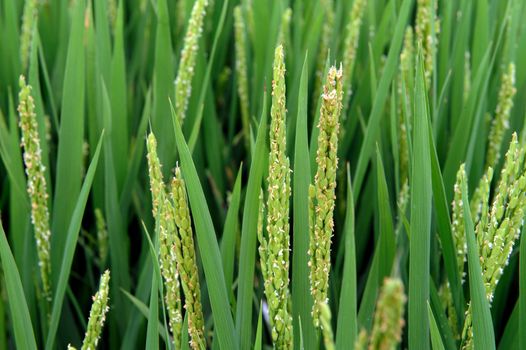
column 277, row 244
column 97, row 315
column 186, row 262
column 323, row 192
column 36, row 183
column 389, row 316
column 164, row 217
column 501, row 121
column 187, row 61
column 350, row 44
column 241, row 71
column 29, row 18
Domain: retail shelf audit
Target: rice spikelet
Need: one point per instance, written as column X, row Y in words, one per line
column 276, row 245
column 187, row 264
column 322, row 194
column 187, row 61
column 97, row 315
column 164, row 218
column 36, row 183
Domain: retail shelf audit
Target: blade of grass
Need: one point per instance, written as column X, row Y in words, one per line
column 522, row 292
column 301, row 296
column 436, row 340
column 143, row 308
column 22, row 327
column 230, row 230
column 444, row 231
column 247, row 250
column 347, row 322
column 208, row 247
column 483, row 336
column 420, row 225
column 152, row 332
column 71, row 137
column 389, row 71
column 69, row 249
column 259, row 330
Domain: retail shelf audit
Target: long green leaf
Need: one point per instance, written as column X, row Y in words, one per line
column 22, row 327
column 301, row 297
column 389, row 71
column 208, row 247
column 483, row 336
column 420, row 226
column 71, row 136
column 69, row 249
column 247, row 250
column 347, row 312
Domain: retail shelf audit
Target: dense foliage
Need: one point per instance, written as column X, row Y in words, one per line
column 254, row 174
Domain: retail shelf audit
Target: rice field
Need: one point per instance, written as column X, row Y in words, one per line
column 222, row 174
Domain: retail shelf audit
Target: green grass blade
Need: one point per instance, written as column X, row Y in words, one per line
column 118, row 241
column 522, row 292
column 71, row 137
column 444, row 231
column 230, row 232
column 259, row 330
column 420, row 226
column 208, row 247
column 69, row 249
column 22, row 327
column 436, row 340
column 347, row 313
column 247, row 250
column 389, row 71
column 152, row 332
column 144, row 310
column 483, row 336
column 301, row 296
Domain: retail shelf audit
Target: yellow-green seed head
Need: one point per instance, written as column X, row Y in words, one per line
column 326, row 327
column 426, row 24
column 187, row 61
column 323, row 49
column 276, row 246
column 29, row 17
column 389, row 316
column 97, row 315
column 187, row 263
column 457, row 222
column 350, row 44
column 36, row 183
column 163, row 214
column 323, row 191
column 500, row 123
column 102, row 236
column 241, row 71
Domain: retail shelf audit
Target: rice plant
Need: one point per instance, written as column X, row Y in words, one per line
column 262, row 174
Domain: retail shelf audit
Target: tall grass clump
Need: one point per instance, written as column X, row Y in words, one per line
column 335, row 174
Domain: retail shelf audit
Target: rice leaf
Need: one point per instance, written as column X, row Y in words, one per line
column 301, row 296
column 483, row 336
column 420, row 226
column 22, row 327
column 208, row 247
column 69, row 249
column 247, row 250
column 347, row 321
